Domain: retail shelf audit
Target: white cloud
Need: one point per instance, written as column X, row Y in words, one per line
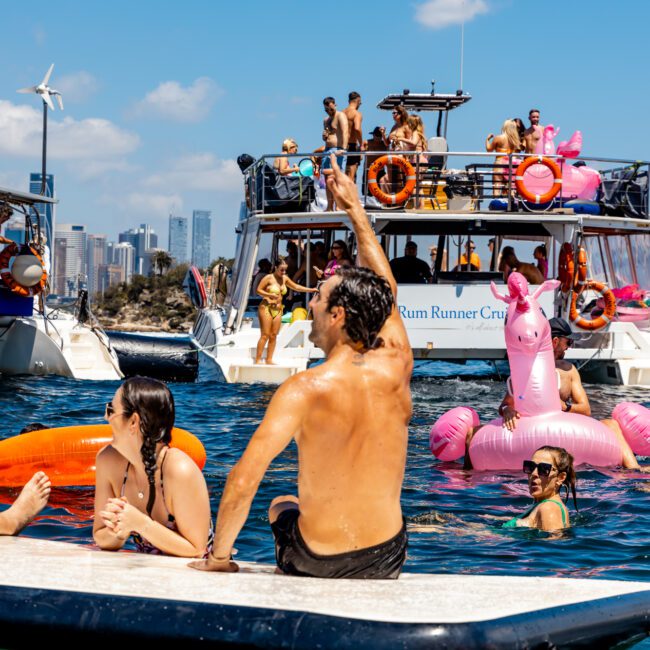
column 68, row 139
column 438, row 14
column 202, row 171
column 76, row 86
column 153, row 204
column 174, row 102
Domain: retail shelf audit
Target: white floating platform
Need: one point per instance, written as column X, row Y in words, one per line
column 53, row 592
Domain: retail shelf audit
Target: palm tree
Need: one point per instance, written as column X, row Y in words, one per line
column 161, row 261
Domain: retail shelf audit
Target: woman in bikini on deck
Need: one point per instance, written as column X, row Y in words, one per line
column 506, row 143
column 272, row 288
column 143, row 488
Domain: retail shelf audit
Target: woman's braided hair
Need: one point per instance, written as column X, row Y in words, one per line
column 367, row 300
column 564, row 463
column 154, row 403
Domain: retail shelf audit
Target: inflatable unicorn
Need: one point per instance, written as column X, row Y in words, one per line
column 533, row 384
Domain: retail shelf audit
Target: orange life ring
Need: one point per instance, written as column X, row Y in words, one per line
column 569, row 279
column 67, row 454
column 405, row 192
column 526, row 194
column 5, row 272
column 602, row 320
column 581, row 276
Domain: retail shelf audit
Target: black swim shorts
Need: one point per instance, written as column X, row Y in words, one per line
column 293, row 557
column 353, row 160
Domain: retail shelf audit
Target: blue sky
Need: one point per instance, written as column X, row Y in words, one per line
column 161, row 97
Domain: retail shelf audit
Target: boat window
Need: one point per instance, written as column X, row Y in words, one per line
column 620, row 256
column 641, row 253
column 597, row 269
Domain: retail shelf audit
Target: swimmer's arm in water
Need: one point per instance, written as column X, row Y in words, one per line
column 294, row 286
column 280, row 424
column 103, row 530
column 371, row 253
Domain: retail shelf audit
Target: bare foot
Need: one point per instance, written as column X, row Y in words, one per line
column 30, row 502
column 270, row 363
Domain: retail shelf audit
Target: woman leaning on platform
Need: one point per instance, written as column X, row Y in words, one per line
column 144, row 489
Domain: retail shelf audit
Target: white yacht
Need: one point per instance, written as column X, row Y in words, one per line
column 460, row 200
column 38, row 340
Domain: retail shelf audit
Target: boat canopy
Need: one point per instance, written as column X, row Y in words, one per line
column 424, row 101
column 23, row 198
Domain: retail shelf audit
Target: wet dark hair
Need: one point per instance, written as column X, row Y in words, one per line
column 353, row 95
column 33, row 426
column 564, row 462
column 367, row 300
column 154, row 403
column 328, row 100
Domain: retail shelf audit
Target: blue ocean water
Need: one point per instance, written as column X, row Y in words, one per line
column 609, row 538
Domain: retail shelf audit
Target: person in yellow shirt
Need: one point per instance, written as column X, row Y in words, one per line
column 474, row 259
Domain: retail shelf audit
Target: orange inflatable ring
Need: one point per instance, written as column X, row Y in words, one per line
column 5, row 273
column 581, row 276
column 602, row 320
column 405, row 192
column 528, row 195
column 67, row 454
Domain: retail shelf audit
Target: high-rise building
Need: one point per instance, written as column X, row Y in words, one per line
column 178, row 238
column 142, row 239
column 109, row 275
column 14, row 229
column 95, row 257
column 124, row 257
column 201, row 226
column 69, row 258
column 46, row 211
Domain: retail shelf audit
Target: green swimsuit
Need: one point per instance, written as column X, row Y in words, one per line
column 512, row 523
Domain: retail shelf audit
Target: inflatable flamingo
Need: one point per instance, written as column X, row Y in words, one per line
column 534, row 386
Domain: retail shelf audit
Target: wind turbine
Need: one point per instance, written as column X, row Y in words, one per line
column 46, row 93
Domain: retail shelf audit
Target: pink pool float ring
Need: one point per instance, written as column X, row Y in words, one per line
column 534, row 386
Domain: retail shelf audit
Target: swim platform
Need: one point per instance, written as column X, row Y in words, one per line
column 78, row 594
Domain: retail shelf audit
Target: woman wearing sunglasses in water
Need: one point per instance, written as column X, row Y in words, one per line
column 549, row 470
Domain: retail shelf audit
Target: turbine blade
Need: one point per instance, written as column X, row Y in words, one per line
column 46, row 78
column 47, row 99
column 27, row 90
column 59, row 100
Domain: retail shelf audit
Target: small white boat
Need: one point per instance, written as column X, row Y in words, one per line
column 38, row 340
column 80, row 595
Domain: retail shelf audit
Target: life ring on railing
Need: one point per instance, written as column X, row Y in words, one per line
column 602, row 320
column 526, row 194
column 567, row 275
column 405, row 192
column 7, row 253
column 581, row 275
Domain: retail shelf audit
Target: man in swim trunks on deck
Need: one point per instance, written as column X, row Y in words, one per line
column 355, row 134
column 349, row 419
column 572, row 393
column 533, row 134
column 335, row 136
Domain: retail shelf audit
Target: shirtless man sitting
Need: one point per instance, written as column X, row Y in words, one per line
column 533, row 134
column 572, row 393
column 510, row 263
column 355, row 134
column 349, row 418
column 335, row 136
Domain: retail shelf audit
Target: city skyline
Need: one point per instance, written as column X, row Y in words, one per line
column 201, row 227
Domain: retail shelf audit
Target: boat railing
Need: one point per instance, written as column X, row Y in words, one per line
column 457, row 181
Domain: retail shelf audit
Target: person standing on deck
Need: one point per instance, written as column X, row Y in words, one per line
column 533, row 134
column 350, row 413
column 355, row 134
column 335, row 136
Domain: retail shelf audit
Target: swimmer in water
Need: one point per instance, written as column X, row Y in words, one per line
column 272, row 288
column 549, row 470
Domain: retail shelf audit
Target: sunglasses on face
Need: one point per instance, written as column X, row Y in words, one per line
column 543, row 469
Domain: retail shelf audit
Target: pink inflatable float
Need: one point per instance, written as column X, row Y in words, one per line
column 534, row 386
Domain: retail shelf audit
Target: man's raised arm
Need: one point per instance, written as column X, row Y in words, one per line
column 371, row 253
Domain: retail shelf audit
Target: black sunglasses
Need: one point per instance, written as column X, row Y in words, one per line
column 543, row 469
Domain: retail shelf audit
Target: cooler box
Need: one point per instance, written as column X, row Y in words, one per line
column 11, row 304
